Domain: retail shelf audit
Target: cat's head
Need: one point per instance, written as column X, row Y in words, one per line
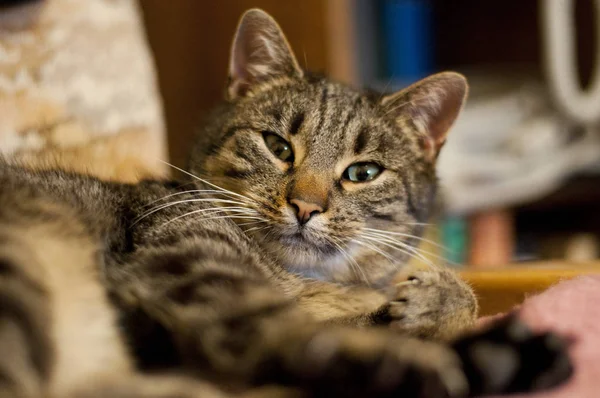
column 340, row 179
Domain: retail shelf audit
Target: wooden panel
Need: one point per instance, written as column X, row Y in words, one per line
column 191, row 41
column 500, row 290
column 341, row 37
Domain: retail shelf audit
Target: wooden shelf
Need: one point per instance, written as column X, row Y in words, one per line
column 500, row 290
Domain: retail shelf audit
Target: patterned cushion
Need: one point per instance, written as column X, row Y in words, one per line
column 78, row 88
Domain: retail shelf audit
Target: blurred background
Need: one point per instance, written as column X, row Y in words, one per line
column 519, row 171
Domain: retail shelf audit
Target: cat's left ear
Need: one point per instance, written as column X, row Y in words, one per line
column 260, row 52
column 432, row 105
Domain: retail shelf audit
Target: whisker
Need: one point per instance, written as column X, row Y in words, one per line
column 259, row 201
column 385, row 88
column 201, row 199
column 249, row 195
column 161, row 207
column 203, row 180
column 437, row 256
column 391, row 240
column 255, row 229
column 418, row 223
column 243, row 217
column 388, row 233
column 404, row 247
column 353, row 264
column 376, row 249
column 192, row 191
column 248, row 223
column 434, row 255
column 421, row 251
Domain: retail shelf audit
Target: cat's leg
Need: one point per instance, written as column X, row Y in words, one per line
column 145, row 386
column 172, row 386
column 424, row 302
column 224, row 319
column 27, row 352
column 507, row 357
column 56, row 325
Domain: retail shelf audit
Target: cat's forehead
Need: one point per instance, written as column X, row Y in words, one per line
column 325, row 114
column 329, row 122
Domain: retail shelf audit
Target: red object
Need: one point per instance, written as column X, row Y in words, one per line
column 491, row 239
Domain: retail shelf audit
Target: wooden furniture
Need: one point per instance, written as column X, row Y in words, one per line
column 499, row 290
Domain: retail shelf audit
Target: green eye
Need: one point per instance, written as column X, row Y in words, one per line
column 280, row 147
column 362, row 172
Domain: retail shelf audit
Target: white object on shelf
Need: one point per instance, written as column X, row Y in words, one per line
column 558, row 33
column 509, row 147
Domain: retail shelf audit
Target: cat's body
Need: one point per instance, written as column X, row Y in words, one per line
column 90, row 245
column 276, row 271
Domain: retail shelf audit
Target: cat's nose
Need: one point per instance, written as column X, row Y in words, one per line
column 305, row 210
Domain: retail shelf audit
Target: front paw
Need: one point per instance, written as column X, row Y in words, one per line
column 509, row 358
column 432, row 303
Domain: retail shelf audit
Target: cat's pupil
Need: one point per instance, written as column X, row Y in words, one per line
column 361, row 172
column 279, row 147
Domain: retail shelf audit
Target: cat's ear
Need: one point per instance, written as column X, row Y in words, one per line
column 260, row 52
column 431, row 105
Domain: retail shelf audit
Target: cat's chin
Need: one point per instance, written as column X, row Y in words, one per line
column 297, row 253
column 300, row 255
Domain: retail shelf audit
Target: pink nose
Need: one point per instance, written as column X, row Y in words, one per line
column 305, row 210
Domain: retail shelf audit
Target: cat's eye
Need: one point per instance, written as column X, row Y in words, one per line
column 279, row 147
column 362, row 172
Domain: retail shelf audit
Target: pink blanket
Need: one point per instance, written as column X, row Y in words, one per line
column 571, row 308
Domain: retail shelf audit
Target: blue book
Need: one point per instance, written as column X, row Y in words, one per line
column 408, row 39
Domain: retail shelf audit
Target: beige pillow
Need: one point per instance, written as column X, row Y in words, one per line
column 78, row 89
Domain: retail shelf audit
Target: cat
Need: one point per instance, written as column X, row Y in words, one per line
column 270, row 262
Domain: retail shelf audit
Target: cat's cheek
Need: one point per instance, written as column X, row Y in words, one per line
column 289, row 215
column 317, row 224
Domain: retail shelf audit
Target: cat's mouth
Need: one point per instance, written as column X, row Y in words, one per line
column 305, row 240
column 294, row 245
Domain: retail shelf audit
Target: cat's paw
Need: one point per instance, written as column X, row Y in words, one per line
column 358, row 363
column 509, row 358
column 432, row 303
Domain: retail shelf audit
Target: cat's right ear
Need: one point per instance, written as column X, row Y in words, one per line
column 260, row 52
column 432, row 105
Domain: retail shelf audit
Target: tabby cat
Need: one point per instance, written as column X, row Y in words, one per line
column 269, row 263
